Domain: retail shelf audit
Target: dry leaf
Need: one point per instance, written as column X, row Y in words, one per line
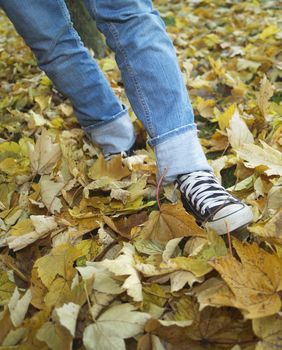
column 269, row 331
column 267, row 157
column 171, row 222
column 255, row 281
column 106, row 333
column 44, row 155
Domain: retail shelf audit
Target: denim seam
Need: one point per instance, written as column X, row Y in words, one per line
column 172, row 133
column 133, row 75
column 54, row 41
column 70, row 28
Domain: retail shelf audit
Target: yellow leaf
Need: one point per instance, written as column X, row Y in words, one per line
column 255, row 281
column 58, row 262
column 109, row 323
column 55, row 336
column 198, row 264
column 269, row 331
column 7, row 286
column 50, row 190
column 224, row 118
column 43, row 101
column 265, row 93
column 268, row 31
column 112, row 168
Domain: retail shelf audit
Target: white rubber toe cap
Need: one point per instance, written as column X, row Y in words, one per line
column 230, row 218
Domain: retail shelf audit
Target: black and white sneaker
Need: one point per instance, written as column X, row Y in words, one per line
column 211, row 204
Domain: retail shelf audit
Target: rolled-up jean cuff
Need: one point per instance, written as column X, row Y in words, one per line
column 180, row 154
column 113, row 136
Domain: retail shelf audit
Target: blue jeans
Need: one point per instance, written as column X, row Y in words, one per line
column 147, row 60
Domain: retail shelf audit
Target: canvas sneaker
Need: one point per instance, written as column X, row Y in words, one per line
column 211, row 204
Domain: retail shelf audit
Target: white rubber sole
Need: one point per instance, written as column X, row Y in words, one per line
column 232, row 222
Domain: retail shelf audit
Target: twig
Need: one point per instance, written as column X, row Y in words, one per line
column 158, row 187
column 229, row 238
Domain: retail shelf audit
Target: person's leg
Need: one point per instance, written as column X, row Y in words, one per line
column 153, row 81
column 47, row 29
column 156, row 91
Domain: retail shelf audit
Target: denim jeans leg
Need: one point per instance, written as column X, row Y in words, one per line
column 153, row 81
column 47, row 29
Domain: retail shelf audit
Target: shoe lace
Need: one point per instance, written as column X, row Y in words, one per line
column 204, row 191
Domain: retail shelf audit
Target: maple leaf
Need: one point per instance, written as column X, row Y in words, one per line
column 269, row 331
column 108, row 334
column 49, row 191
column 18, row 306
column 112, row 168
column 267, row 157
column 7, row 286
column 55, row 336
column 67, row 316
column 124, row 264
column 198, row 263
column 44, row 155
column 265, row 93
column 255, row 281
column 238, row 132
column 58, row 262
column 210, row 329
column 170, row 222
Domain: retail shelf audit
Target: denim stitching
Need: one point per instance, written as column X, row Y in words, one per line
column 133, row 75
column 177, row 131
column 55, row 40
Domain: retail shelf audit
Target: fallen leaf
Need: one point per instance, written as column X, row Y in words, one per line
column 255, row 281
column 238, row 132
column 171, row 222
column 124, row 265
column 256, row 156
column 44, row 155
column 106, row 333
column 58, row 262
column 67, row 316
column 18, row 306
column 112, row 169
column 269, row 331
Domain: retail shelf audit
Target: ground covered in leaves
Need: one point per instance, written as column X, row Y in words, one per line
column 88, row 259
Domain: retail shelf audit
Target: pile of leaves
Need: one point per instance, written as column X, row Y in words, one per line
column 89, row 258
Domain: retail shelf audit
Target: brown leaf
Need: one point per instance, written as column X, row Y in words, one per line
column 171, row 222
column 124, row 225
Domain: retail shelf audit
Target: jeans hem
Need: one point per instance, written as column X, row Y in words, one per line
column 168, row 135
column 104, row 123
column 180, row 154
column 114, row 136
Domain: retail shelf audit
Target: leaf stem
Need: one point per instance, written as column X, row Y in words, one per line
column 158, row 187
